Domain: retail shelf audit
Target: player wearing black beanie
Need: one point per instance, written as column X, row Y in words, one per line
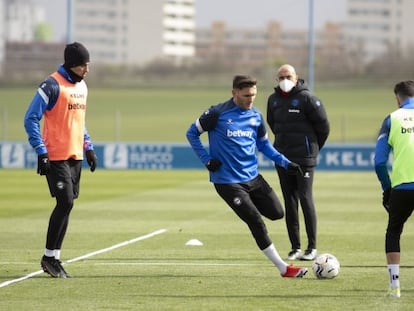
column 61, row 102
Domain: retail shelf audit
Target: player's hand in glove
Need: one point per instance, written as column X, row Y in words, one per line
column 91, row 159
column 386, row 199
column 213, row 165
column 43, row 164
column 294, row 169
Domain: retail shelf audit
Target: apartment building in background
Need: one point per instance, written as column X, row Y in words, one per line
column 2, row 35
column 254, row 47
column 135, row 32
column 19, row 24
column 242, row 46
column 20, row 19
column 374, row 27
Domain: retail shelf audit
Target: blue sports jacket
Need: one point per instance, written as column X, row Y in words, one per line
column 234, row 136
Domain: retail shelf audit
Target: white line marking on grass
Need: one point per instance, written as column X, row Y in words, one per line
column 7, row 283
column 15, row 263
column 147, row 236
column 27, row 263
column 152, row 264
column 185, row 264
column 140, row 238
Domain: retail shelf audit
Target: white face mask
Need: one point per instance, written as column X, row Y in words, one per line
column 286, row 85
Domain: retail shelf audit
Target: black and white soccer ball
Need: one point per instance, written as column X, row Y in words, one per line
column 326, row 266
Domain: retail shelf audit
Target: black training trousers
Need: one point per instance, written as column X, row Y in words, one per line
column 401, row 208
column 297, row 189
column 63, row 181
column 250, row 201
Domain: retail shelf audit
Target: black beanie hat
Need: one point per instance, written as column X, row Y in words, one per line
column 75, row 55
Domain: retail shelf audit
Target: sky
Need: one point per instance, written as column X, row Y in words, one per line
column 293, row 14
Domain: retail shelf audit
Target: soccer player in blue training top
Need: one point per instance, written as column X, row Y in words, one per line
column 397, row 136
column 236, row 131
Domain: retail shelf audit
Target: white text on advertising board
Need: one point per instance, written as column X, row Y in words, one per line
column 150, row 157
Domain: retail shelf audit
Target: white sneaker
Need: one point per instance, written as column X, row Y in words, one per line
column 394, row 293
column 294, row 254
column 310, row 254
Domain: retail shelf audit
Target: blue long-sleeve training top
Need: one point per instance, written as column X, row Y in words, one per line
column 234, row 135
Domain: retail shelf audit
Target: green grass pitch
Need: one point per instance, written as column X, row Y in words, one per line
column 161, row 273
column 163, row 115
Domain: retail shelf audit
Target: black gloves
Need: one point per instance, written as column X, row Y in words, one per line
column 294, row 169
column 43, row 164
column 386, row 199
column 91, row 159
column 213, row 165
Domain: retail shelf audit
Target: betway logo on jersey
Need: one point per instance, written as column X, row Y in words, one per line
column 239, row 133
column 72, row 106
column 409, row 130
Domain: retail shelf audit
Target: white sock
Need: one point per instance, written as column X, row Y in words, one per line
column 274, row 257
column 49, row 253
column 394, row 272
column 57, row 254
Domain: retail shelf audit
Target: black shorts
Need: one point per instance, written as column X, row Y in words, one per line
column 64, row 177
column 251, row 199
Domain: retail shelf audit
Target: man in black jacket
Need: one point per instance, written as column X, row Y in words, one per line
column 300, row 125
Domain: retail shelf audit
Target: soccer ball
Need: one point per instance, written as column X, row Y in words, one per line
column 326, row 266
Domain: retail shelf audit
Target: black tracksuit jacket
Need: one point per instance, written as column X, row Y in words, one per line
column 299, row 122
